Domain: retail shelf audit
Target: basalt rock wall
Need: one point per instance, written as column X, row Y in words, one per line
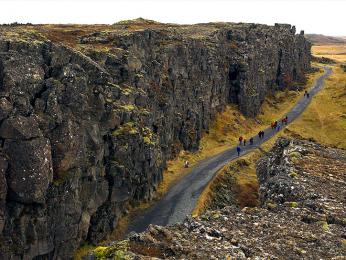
column 87, row 129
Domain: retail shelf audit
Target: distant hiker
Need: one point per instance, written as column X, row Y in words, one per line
column 240, row 140
column 244, row 141
column 286, row 120
column 260, row 134
column 282, row 121
column 186, row 164
column 306, row 94
column 278, row 125
column 251, row 141
column 238, row 150
column 275, row 124
column 272, row 125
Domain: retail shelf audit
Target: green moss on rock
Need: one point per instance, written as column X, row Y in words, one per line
column 127, row 128
column 293, row 175
column 117, row 251
column 271, row 205
column 293, row 204
column 324, row 225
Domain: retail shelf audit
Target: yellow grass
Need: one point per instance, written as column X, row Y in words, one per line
column 83, row 251
column 325, row 118
column 335, row 52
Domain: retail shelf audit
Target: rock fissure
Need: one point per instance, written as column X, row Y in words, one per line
column 88, row 129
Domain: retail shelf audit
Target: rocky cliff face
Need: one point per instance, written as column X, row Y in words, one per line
column 88, row 123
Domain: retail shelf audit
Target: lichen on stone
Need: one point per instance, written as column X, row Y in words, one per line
column 127, row 128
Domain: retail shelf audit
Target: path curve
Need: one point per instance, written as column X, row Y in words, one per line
column 181, row 199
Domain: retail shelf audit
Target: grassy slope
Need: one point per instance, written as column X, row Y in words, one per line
column 325, row 118
column 323, row 121
column 320, row 39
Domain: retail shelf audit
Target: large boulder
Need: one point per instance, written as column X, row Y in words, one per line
column 20, row 128
column 30, row 171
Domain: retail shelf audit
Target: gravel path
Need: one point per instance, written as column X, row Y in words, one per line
column 181, row 199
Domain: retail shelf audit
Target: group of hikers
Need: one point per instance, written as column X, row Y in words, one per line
column 274, row 125
column 277, row 124
column 242, row 141
column 306, row 94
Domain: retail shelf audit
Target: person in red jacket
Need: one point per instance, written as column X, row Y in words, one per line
column 240, row 140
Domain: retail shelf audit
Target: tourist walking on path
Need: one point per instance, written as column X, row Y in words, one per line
column 262, row 134
column 278, row 126
column 186, row 164
column 238, row 150
column 251, row 141
column 286, row 120
column 244, row 141
column 240, row 140
column 259, row 134
column 306, row 94
column 272, row 126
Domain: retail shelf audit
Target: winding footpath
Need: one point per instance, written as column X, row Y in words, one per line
column 181, row 199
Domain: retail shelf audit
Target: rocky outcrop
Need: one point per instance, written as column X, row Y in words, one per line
column 299, row 218
column 87, row 129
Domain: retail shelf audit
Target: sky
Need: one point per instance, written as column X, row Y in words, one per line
column 314, row 16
